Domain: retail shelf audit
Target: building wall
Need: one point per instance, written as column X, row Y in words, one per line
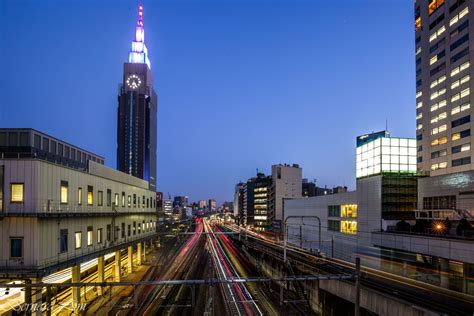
column 287, row 183
column 336, row 243
column 237, row 199
column 42, row 183
column 460, row 185
column 41, row 216
column 41, row 237
column 369, row 202
column 454, row 249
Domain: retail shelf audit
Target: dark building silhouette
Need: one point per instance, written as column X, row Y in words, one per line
column 137, row 110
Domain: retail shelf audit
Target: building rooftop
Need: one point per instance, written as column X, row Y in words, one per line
column 20, row 143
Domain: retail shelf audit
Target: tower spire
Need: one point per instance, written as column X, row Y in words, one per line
column 139, row 52
column 140, row 14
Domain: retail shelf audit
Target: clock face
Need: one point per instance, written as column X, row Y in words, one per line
column 133, row 81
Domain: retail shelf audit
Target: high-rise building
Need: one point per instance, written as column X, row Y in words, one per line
column 212, row 205
column 137, row 109
column 202, row 204
column 180, row 201
column 159, row 206
column 258, row 196
column 443, row 85
column 238, row 199
column 287, row 182
column 168, row 208
column 255, row 201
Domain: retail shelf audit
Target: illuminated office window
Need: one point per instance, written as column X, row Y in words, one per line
column 439, row 117
column 441, row 165
column 78, row 239
column 436, row 82
column 434, row 5
column 460, row 95
column 90, row 195
column 64, row 192
column 459, row 69
column 349, row 210
column 439, row 129
column 418, row 24
column 17, row 192
column 349, row 227
column 438, row 93
column 459, row 82
column 458, row 16
column 437, row 33
column 460, row 108
column 90, row 236
column 79, row 196
column 99, row 236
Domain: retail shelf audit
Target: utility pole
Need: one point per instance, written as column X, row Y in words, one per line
column 332, row 246
column 357, row 287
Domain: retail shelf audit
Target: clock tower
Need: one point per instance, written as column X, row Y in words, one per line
column 137, row 110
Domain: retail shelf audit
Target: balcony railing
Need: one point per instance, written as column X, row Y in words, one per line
column 49, row 206
column 45, row 262
column 451, row 214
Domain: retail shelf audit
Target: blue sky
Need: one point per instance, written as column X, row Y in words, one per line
column 241, row 84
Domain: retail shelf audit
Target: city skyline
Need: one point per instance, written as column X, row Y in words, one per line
column 210, row 119
column 342, row 130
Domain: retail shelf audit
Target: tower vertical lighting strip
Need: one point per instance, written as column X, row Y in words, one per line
column 130, row 130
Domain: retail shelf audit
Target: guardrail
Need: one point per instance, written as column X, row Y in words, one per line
column 50, row 206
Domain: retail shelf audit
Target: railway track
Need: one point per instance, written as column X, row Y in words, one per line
column 381, row 282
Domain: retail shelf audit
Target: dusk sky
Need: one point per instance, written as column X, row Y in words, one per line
column 241, row 84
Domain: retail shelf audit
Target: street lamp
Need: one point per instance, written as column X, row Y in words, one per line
column 438, row 227
column 285, row 231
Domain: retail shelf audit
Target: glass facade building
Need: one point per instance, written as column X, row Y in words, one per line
column 385, row 154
